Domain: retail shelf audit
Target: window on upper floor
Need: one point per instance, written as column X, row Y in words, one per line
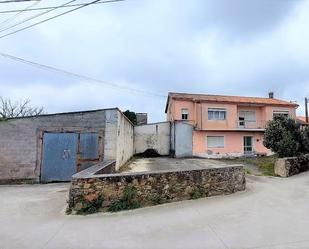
column 247, row 116
column 281, row 113
column 184, row 114
column 215, row 141
column 216, row 114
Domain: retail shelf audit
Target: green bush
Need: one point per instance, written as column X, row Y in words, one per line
column 128, row 201
column 305, row 137
column 284, row 137
column 90, row 207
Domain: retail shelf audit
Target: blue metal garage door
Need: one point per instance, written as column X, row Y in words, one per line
column 89, row 145
column 59, row 156
column 88, row 150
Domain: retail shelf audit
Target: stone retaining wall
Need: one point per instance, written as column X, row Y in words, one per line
column 151, row 188
column 289, row 166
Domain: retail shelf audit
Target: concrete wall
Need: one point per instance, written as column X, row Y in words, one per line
column 111, row 128
column 152, row 136
column 21, row 139
column 152, row 188
column 124, row 140
column 183, row 139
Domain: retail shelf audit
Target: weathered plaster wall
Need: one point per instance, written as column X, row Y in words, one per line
column 153, row 188
column 111, row 128
column 152, row 136
column 289, row 166
column 124, row 140
column 21, row 139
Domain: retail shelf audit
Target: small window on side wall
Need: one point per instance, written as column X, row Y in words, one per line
column 215, row 141
column 184, row 114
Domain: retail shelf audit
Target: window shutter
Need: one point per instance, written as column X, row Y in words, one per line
column 215, row 141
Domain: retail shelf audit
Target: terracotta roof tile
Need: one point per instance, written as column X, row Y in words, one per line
column 233, row 99
column 302, row 119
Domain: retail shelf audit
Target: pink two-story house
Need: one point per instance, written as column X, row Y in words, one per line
column 226, row 125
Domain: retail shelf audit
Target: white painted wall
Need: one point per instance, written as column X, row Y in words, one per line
column 125, row 147
column 152, row 136
column 110, row 135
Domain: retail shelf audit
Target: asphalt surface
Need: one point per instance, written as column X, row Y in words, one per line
column 271, row 213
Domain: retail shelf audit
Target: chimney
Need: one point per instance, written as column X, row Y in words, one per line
column 271, row 95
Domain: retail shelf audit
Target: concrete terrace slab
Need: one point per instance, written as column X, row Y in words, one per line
column 271, row 214
column 165, row 163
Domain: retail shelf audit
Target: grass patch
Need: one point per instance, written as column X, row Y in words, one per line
column 267, row 168
column 128, row 201
column 248, row 171
column 265, row 164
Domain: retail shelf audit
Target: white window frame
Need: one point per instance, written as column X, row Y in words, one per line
column 217, row 114
column 215, row 146
column 184, row 111
column 252, row 146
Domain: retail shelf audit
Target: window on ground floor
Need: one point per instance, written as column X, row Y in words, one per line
column 215, row 141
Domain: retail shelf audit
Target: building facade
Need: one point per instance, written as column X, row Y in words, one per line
column 226, row 125
column 53, row 147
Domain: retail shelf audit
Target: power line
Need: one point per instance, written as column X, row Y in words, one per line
column 79, row 76
column 12, row 18
column 46, row 8
column 53, row 17
column 35, row 16
column 17, row 1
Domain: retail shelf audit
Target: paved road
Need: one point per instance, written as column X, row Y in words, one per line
column 271, row 213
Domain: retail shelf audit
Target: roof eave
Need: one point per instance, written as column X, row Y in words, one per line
column 226, row 101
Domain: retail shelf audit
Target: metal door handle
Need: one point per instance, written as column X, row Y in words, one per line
column 66, row 154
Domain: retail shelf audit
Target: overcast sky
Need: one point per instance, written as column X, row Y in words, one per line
column 229, row 47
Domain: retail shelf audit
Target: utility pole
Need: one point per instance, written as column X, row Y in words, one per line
column 306, row 109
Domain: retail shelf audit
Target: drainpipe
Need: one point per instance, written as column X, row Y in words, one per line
column 195, row 115
column 201, row 116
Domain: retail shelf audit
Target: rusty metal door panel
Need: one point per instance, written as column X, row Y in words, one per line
column 59, row 156
column 89, row 146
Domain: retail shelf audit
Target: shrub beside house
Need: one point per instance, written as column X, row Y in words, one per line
column 285, row 137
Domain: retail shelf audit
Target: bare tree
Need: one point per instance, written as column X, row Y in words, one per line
column 9, row 109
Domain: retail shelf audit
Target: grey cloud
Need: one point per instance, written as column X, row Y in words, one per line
column 237, row 47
